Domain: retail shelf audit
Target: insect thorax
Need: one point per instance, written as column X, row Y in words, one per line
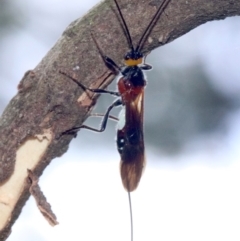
column 135, row 75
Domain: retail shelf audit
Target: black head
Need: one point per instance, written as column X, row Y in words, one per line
column 133, row 58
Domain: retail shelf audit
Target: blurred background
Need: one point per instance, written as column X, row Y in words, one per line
column 190, row 188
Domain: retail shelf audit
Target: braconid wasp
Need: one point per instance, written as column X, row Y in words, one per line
column 131, row 84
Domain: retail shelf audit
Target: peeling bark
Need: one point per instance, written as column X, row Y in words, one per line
column 42, row 204
column 48, row 103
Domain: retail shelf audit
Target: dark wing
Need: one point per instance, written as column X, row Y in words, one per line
column 130, row 141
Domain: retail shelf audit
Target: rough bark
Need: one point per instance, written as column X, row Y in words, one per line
column 48, row 103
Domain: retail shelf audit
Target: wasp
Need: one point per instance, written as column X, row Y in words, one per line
column 130, row 95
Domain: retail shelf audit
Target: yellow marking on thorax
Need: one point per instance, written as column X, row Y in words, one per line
column 133, row 62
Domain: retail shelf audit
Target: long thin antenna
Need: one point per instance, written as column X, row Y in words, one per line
column 131, row 215
column 128, row 36
column 151, row 24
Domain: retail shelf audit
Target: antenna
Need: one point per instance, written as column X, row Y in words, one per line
column 128, row 36
column 151, row 24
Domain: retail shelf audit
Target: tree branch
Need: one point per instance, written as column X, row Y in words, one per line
column 48, row 103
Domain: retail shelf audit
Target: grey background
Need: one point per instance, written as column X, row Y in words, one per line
column 192, row 132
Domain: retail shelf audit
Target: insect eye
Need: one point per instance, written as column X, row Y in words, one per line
column 128, row 56
column 138, row 55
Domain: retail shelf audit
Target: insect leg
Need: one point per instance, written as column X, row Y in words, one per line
column 146, row 67
column 111, row 117
column 110, row 64
column 100, row 91
column 103, row 125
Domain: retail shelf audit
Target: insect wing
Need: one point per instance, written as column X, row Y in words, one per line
column 130, row 143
